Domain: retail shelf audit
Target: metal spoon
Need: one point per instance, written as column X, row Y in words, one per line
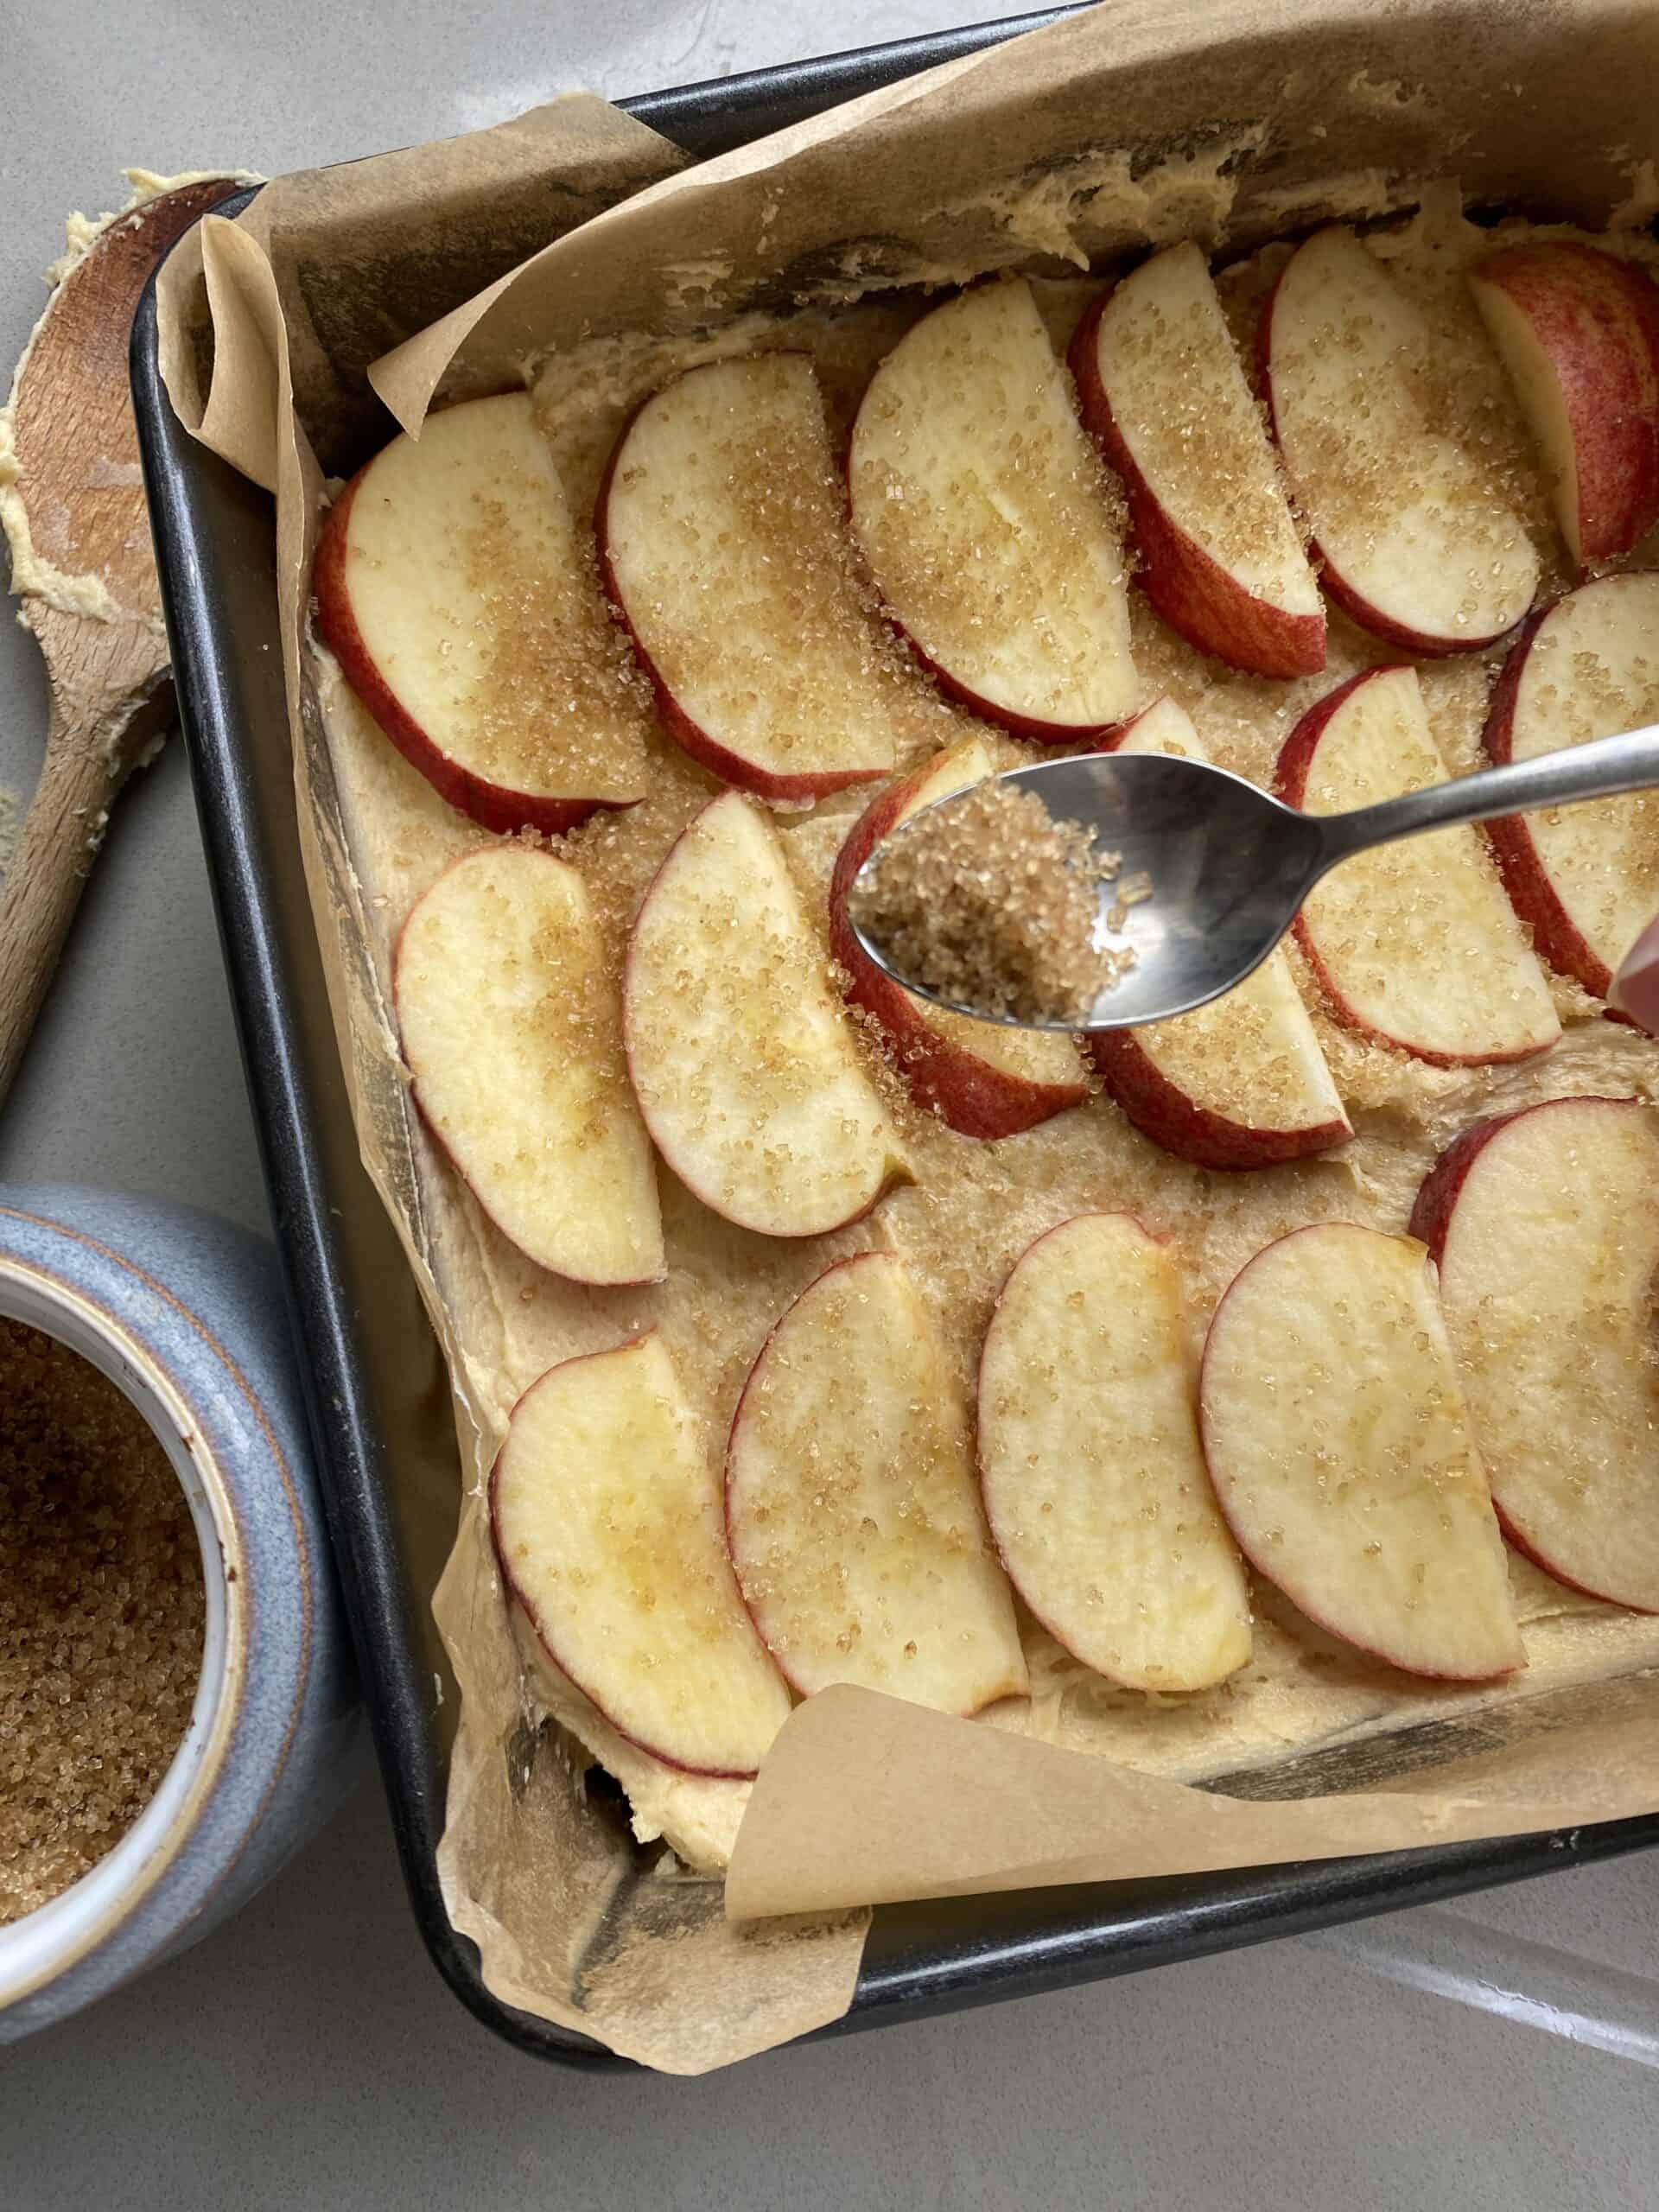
column 1229, row 866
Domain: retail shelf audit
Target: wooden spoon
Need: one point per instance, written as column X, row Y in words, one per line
column 77, row 450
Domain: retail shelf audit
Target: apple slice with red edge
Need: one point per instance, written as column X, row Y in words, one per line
column 724, row 545
column 1545, row 1227
column 511, row 1031
column 851, row 1508
column 1240, row 1083
column 606, row 1512
column 461, row 599
column 1413, row 944
column 984, row 517
column 1336, row 1433
column 1162, row 391
column 980, row 1079
column 743, row 1062
column 1416, row 545
column 1094, row 1481
column 1578, row 330
column 1585, row 879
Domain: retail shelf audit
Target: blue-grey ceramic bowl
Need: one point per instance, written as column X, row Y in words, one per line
column 184, row 1314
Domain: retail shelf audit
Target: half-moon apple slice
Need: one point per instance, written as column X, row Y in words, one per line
column 511, row 1030
column 1418, row 546
column 1240, row 1083
column 606, row 1513
column 1414, row 943
column 980, row 1078
column 1578, row 329
column 742, row 1058
column 461, row 601
column 851, row 1508
column 1162, row 391
column 1545, row 1225
column 724, row 543
column 1095, row 1484
column 1339, row 1444
column 1585, row 878
column 981, row 507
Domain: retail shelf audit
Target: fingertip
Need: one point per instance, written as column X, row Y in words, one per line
column 1635, row 989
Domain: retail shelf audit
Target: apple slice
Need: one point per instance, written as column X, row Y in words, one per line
column 742, row 1061
column 1339, row 1444
column 511, row 1032
column 1413, row 944
column 1417, row 546
column 984, row 518
column 1095, row 1484
column 724, row 543
column 1241, row 1083
column 1578, row 330
column 1585, row 878
column 460, row 598
column 1545, row 1225
column 851, row 1508
column 980, row 1079
column 606, row 1518
column 1161, row 389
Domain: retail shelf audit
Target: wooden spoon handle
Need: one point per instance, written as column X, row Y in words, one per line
column 47, row 873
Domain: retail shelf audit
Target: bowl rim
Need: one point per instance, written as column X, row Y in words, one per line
column 57, row 1936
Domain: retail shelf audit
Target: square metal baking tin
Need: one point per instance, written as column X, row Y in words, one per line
column 379, row 1400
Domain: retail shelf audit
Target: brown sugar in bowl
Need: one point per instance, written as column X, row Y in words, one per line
column 102, row 1601
column 224, row 1767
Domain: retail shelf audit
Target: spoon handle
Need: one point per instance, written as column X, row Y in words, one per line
column 1600, row 770
column 108, row 705
column 45, row 878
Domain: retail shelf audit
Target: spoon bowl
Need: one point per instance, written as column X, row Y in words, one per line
column 1229, row 866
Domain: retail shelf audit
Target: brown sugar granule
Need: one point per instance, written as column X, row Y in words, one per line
column 991, row 902
column 101, row 1611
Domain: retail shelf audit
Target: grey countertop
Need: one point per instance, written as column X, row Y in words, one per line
column 307, row 2054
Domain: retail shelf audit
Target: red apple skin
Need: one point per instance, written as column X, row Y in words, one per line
column 1260, row 1566
column 1076, row 734
column 691, row 736
column 1431, row 1216
column 1354, row 605
column 673, row 1164
column 1289, row 783
column 515, row 1596
column 1597, row 317
column 1296, row 754
column 437, row 1134
column 1525, row 877
column 1431, row 1220
column 966, row 1093
column 493, row 806
column 1198, row 599
column 1170, row 1119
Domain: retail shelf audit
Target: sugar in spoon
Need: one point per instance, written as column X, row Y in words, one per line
column 1229, row 866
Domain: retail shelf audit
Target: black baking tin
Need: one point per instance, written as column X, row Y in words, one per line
column 378, row 1398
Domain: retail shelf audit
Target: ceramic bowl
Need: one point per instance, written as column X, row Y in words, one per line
column 185, row 1315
